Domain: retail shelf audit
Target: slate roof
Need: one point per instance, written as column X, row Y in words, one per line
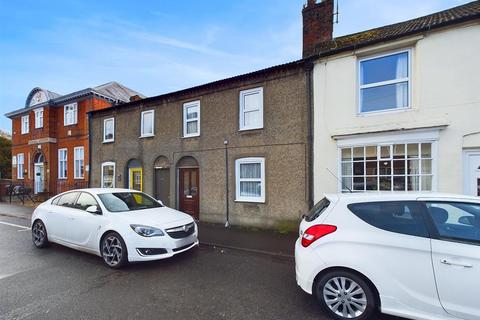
column 113, row 91
column 467, row 12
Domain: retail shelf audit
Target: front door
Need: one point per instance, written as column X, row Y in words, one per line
column 162, row 185
column 472, row 174
column 189, row 191
column 39, row 178
column 135, row 179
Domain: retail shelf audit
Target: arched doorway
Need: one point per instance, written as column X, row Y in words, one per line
column 188, row 186
column 39, row 173
column 162, row 179
column 134, row 174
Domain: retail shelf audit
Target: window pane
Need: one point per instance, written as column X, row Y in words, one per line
column 358, row 168
column 399, row 151
column 396, row 216
column 68, row 199
column 346, row 183
column 384, row 68
column 358, row 183
column 412, row 150
column 84, row 201
column 108, row 176
column 192, row 127
column 391, row 96
column 347, row 169
column 371, row 183
column 371, row 153
column 426, row 166
column 250, row 188
column 385, row 167
column 385, row 152
column 192, row 113
column 426, row 183
column 456, row 220
column 252, row 118
column 346, row 154
column 413, row 183
column 250, row 171
column 385, row 183
column 252, row 102
column 399, row 183
column 413, row 166
column 147, row 123
column 426, row 150
column 358, row 153
column 371, row 168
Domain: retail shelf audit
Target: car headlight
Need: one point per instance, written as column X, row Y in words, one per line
column 146, row 231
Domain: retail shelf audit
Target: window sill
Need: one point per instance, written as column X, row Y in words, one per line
column 146, row 136
column 191, row 136
column 108, row 141
column 70, row 124
column 79, row 178
column 250, row 129
column 380, row 112
column 250, row 200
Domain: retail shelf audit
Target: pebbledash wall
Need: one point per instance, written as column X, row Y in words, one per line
column 281, row 142
column 444, row 110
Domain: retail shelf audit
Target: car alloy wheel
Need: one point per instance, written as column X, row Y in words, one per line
column 114, row 252
column 39, row 234
column 345, row 295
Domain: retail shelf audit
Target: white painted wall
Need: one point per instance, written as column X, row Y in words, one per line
column 445, row 92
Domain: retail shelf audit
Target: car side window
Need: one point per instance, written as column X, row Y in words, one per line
column 68, row 199
column 85, row 200
column 456, row 220
column 403, row 217
column 55, row 201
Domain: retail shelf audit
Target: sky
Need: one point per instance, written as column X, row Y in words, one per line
column 161, row 46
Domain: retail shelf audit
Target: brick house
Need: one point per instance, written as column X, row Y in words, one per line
column 234, row 150
column 50, row 136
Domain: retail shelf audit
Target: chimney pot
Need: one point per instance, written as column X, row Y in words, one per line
column 135, row 98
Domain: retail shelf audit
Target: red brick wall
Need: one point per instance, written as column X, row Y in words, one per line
column 317, row 24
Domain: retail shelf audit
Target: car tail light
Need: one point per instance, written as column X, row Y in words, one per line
column 316, row 232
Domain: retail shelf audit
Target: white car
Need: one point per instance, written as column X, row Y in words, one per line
column 120, row 225
column 410, row 255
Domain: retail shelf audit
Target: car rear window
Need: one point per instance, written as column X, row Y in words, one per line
column 403, row 217
column 317, row 209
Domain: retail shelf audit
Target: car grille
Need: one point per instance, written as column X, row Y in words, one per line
column 181, row 231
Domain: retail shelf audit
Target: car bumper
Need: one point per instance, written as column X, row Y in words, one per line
column 170, row 245
column 307, row 265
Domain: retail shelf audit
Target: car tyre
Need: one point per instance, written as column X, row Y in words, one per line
column 39, row 234
column 114, row 250
column 345, row 295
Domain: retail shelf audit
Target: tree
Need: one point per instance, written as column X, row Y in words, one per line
column 5, row 158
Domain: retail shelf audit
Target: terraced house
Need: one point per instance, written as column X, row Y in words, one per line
column 396, row 108
column 234, row 150
column 50, row 136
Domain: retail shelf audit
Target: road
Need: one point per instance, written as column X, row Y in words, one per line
column 206, row 283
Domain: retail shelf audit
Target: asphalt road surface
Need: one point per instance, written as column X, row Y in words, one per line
column 205, row 283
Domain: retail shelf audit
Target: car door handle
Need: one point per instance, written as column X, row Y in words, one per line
column 456, row 263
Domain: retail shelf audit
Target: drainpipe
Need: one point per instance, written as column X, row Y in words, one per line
column 89, row 149
column 227, row 222
column 310, row 123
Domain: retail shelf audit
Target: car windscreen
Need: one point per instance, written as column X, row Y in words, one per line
column 127, row 201
column 317, row 209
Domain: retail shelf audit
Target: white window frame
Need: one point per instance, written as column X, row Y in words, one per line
column 390, row 138
column 74, row 111
column 384, row 83
column 238, row 162
column 78, row 163
column 145, row 135
column 25, row 124
column 241, row 119
column 186, row 106
column 60, row 173
column 38, row 118
column 105, row 140
column 20, row 165
column 105, row 164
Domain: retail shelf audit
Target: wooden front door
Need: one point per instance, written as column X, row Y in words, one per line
column 189, row 191
column 162, row 185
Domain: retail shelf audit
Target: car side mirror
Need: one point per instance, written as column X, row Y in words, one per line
column 161, row 202
column 94, row 210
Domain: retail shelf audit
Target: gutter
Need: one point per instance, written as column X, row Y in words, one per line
column 90, row 150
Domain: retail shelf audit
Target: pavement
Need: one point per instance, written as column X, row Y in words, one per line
column 215, row 235
column 203, row 283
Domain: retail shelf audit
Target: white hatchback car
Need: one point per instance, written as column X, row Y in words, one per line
column 410, row 255
column 120, row 225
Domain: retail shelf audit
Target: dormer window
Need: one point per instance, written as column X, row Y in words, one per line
column 384, row 82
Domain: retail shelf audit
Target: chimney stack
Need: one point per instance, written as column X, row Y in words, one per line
column 317, row 24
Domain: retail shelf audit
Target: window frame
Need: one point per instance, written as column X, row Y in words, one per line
column 38, row 115
column 186, row 106
column 60, row 176
column 142, row 124
column 20, row 166
column 105, row 164
column 105, row 140
column 242, row 95
column 74, row 111
column 238, row 180
column 75, row 176
column 384, row 83
column 25, row 124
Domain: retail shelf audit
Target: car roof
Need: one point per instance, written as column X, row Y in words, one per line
column 104, row 190
column 398, row 196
